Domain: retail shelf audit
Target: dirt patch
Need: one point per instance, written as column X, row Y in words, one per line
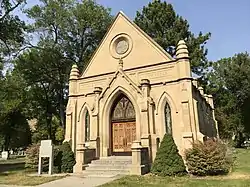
column 237, row 176
column 229, row 176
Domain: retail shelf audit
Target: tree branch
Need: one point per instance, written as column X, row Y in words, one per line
column 56, row 33
column 10, row 10
column 6, row 45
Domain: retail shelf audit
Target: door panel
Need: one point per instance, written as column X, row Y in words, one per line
column 124, row 133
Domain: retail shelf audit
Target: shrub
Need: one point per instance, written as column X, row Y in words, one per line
column 209, row 158
column 168, row 161
column 68, row 158
column 64, row 158
column 32, row 158
column 57, row 160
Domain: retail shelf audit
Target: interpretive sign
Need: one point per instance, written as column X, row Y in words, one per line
column 46, row 151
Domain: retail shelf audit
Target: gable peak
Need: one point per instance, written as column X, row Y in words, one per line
column 125, row 40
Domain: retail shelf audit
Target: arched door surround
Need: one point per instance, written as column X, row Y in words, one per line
column 123, row 125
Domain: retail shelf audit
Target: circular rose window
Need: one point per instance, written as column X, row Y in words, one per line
column 120, row 46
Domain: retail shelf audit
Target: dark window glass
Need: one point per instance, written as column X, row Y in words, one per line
column 168, row 120
column 87, row 126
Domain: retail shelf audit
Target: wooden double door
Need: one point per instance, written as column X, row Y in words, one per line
column 123, row 126
column 123, row 135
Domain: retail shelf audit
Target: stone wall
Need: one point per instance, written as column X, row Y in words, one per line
column 205, row 113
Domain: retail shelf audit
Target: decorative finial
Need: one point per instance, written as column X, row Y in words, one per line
column 145, row 82
column 74, row 73
column 182, row 50
column 120, row 63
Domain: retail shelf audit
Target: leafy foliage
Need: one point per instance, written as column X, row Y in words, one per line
column 209, row 158
column 68, row 158
column 159, row 20
column 13, row 124
column 59, row 134
column 57, row 160
column 168, row 162
column 73, row 28
column 14, row 128
column 229, row 82
column 64, row 158
column 32, row 156
column 11, row 27
column 68, row 31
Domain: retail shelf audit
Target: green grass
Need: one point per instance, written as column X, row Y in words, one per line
column 21, row 177
column 242, row 164
column 240, row 177
column 149, row 181
column 12, row 172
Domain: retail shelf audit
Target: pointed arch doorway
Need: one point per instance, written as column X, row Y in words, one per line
column 123, row 126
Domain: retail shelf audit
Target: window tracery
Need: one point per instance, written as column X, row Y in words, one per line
column 123, row 109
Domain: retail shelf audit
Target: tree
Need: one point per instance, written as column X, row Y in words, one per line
column 45, row 89
column 13, row 123
column 229, row 82
column 11, row 28
column 168, row 162
column 69, row 31
column 160, row 21
column 75, row 28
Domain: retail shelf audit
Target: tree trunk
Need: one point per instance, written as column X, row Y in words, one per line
column 49, row 127
column 6, row 142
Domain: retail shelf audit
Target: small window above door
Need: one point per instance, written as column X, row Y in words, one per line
column 123, row 109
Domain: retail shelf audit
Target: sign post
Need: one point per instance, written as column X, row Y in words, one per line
column 46, row 151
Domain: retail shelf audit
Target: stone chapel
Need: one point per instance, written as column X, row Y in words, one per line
column 132, row 93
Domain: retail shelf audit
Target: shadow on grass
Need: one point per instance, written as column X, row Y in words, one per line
column 11, row 167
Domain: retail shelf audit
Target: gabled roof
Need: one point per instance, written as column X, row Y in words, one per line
column 145, row 50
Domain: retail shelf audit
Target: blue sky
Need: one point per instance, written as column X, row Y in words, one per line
column 227, row 20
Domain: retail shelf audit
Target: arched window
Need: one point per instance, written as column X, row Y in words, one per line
column 168, row 119
column 123, row 110
column 87, row 126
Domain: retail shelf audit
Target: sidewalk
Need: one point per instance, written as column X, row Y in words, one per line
column 74, row 181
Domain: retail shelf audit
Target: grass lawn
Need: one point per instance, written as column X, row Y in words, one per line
column 13, row 161
column 20, row 177
column 12, row 172
column 242, row 161
column 239, row 177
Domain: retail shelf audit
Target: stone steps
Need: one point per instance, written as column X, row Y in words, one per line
column 98, row 166
column 114, row 165
column 107, row 171
column 111, row 162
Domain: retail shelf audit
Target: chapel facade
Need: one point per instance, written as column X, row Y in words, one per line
column 131, row 94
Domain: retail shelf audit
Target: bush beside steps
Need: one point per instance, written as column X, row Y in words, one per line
column 168, row 161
